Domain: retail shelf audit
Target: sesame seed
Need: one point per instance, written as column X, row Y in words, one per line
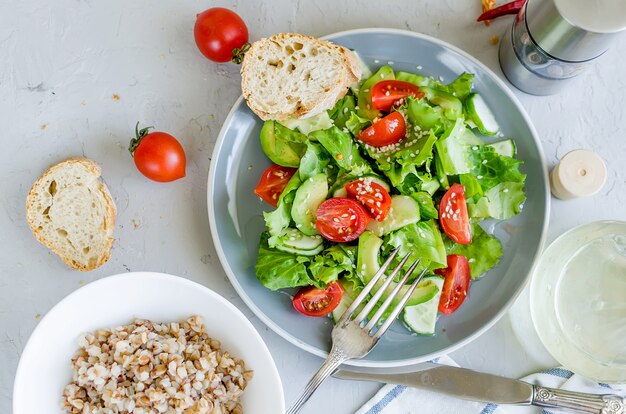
column 366, row 90
column 390, row 62
column 335, row 219
column 345, row 110
column 480, row 177
column 419, row 67
column 475, row 148
column 441, row 78
column 382, row 76
column 376, row 61
column 484, row 161
column 506, row 190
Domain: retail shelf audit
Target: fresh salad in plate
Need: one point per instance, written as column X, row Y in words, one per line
column 401, row 161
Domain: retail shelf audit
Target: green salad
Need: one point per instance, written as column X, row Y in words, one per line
column 403, row 161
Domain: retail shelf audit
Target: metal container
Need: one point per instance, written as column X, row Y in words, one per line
column 552, row 41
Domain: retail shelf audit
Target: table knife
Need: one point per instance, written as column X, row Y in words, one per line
column 476, row 386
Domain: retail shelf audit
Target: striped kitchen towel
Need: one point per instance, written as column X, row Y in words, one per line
column 398, row 399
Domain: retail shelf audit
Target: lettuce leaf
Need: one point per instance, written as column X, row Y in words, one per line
column 423, row 240
column 501, row 202
column 314, row 160
column 483, row 253
column 337, row 260
column 342, row 149
column 279, row 270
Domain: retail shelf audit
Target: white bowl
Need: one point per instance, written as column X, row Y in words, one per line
column 44, row 367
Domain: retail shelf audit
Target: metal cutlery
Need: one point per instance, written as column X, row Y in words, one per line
column 352, row 340
column 477, row 386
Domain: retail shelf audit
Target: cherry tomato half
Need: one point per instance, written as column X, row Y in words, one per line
column 372, row 196
column 273, row 182
column 388, row 93
column 455, row 285
column 220, row 34
column 453, row 215
column 158, row 156
column 311, row 301
column 341, row 219
column 386, row 131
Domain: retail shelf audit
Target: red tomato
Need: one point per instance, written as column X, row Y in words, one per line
column 372, row 195
column 311, row 301
column 341, row 219
column 158, row 156
column 453, row 215
column 388, row 93
column 455, row 285
column 221, row 35
column 273, row 182
column 386, row 131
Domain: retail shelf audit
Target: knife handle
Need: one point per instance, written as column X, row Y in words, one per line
column 578, row 401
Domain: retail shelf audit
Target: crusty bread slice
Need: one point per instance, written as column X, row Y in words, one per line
column 291, row 75
column 71, row 212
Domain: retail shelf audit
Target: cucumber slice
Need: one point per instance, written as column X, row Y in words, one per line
column 479, row 113
column 367, row 266
column 452, row 106
column 299, row 252
column 308, row 198
column 422, row 318
column 340, row 190
column 404, row 211
column 506, row 148
column 294, row 241
column 308, row 125
column 349, row 294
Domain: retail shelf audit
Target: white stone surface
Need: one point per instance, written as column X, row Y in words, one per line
column 63, row 61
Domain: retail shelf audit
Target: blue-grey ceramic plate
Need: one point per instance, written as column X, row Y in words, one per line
column 236, row 219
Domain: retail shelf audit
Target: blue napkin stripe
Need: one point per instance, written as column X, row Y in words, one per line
column 489, row 408
column 390, row 396
column 559, row 372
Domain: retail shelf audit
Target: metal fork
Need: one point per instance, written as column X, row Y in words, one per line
column 349, row 339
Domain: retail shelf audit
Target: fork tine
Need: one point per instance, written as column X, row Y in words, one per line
column 383, row 307
column 367, row 288
column 396, row 311
column 378, row 294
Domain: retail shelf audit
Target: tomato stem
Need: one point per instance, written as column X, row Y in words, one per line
column 139, row 134
column 239, row 52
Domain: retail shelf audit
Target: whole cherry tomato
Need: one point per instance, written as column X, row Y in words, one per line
column 158, row 156
column 221, row 35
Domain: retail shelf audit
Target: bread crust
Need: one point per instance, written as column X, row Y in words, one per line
column 111, row 211
column 349, row 74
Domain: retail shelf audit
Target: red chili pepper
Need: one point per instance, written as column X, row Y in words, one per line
column 509, row 8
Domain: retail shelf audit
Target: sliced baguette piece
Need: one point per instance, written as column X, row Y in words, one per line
column 70, row 211
column 290, row 75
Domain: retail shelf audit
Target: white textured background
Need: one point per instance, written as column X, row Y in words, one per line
column 63, row 61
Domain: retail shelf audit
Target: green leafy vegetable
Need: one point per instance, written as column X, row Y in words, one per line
column 279, row 270
column 483, row 254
